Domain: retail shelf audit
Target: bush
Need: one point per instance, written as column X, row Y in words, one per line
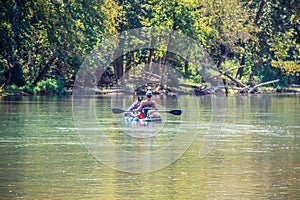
column 28, row 89
column 17, row 90
column 45, row 87
column 12, row 88
column 49, row 86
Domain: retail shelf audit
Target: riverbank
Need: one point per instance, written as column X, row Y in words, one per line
column 195, row 91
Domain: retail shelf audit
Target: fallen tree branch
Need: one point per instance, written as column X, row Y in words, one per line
column 262, row 84
column 189, row 85
column 228, row 87
column 237, row 82
column 231, row 69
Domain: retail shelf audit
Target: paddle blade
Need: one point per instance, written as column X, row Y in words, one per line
column 117, row 110
column 175, row 112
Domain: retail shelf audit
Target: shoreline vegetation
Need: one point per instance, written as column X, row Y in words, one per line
column 184, row 89
column 248, row 46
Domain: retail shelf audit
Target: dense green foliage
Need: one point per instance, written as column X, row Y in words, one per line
column 44, row 42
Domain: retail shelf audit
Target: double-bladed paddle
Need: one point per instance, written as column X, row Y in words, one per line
column 173, row 112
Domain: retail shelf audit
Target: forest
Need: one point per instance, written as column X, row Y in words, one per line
column 44, row 42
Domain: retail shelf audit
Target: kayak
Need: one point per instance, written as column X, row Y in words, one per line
column 144, row 122
column 147, row 119
column 142, row 128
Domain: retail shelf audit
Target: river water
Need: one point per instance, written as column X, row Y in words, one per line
column 245, row 147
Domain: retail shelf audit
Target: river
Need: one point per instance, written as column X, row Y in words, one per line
column 244, row 147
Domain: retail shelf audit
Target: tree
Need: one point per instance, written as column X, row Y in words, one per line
column 50, row 38
column 13, row 33
column 277, row 44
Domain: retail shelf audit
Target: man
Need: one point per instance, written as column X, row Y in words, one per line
column 134, row 106
column 148, row 103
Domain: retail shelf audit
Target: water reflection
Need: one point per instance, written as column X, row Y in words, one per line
column 255, row 156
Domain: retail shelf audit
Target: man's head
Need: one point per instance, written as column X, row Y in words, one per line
column 149, row 94
column 140, row 99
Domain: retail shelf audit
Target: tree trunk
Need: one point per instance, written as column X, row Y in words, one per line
column 253, row 70
column 8, row 78
column 203, row 74
column 164, row 60
column 129, row 62
column 241, row 69
column 16, row 74
column 45, row 70
column 119, row 61
column 221, row 60
column 7, row 72
column 118, row 66
column 257, row 18
column 150, row 56
column 259, row 12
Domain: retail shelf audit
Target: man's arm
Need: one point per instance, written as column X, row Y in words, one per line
column 139, row 108
column 154, row 104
